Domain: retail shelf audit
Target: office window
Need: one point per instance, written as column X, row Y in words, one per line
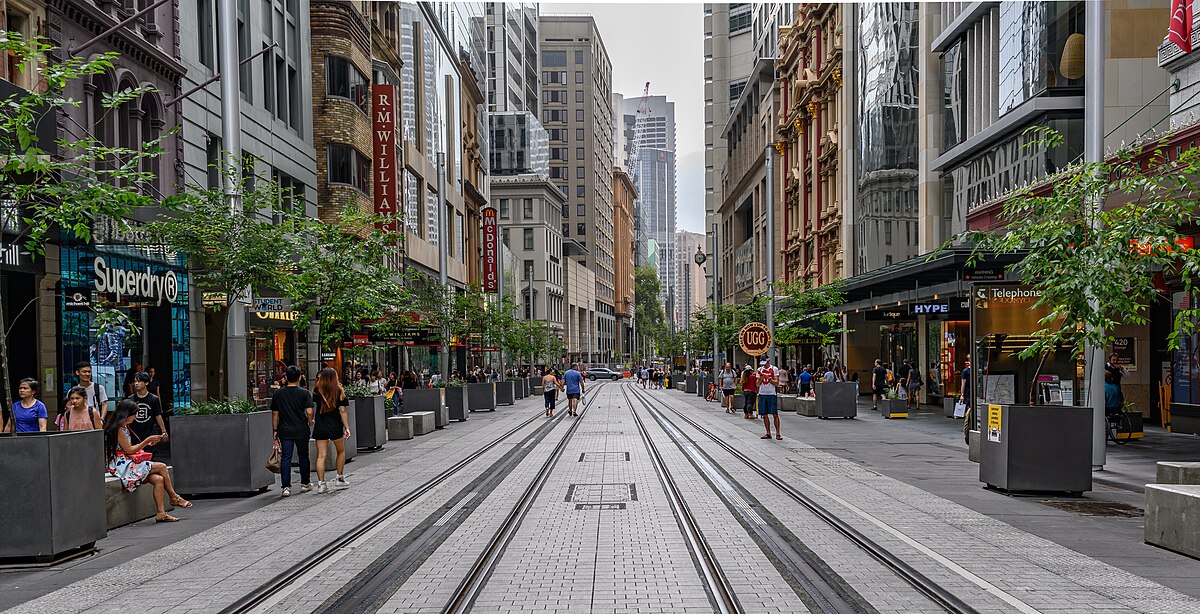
column 581, row 209
column 205, row 18
column 505, row 238
column 504, row 208
column 554, row 59
column 527, row 208
column 579, row 96
column 348, row 166
column 527, row 269
column 579, row 172
column 579, row 156
column 343, row 80
column 579, row 76
column 243, row 44
column 579, row 191
column 566, row 210
column 579, row 134
column 578, row 57
column 578, row 115
column 581, row 228
column 566, row 230
column 528, row 238
column 739, row 22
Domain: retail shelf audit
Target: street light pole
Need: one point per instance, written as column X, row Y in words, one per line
column 529, row 276
column 1093, row 151
column 444, row 350
column 236, row 376
column 770, row 251
column 716, row 294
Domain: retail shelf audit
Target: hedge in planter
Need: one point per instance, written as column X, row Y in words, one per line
column 221, row 447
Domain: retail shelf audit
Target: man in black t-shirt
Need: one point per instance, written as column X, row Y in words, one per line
column 149, row 414
column 878, row 383
column 291, row 421
column 1114, row 367
column 902, row 371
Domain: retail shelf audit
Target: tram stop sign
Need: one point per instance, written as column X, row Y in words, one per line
column 755, row 338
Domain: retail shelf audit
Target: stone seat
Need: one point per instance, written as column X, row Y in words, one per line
column 1178, row 472
column 122, row 508
column 1171, row 514
column 423, row 422
column 400, row 427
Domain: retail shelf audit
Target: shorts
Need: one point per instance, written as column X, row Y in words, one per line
column 880, row 390
column 550, row 396
column 768, row 404
column 727, row 392
column 573, row 395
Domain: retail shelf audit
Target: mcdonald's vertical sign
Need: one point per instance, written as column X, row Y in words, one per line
column 491, row 251
column 384, row 185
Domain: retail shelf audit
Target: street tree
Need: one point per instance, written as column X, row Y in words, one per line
column 804, row 312
column 648, row 310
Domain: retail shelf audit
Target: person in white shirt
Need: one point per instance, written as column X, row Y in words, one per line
column 768, row 399
column 97, row 398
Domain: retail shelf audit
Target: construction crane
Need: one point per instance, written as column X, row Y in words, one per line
column 639, row 128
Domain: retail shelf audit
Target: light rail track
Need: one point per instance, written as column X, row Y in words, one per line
column 923, row 584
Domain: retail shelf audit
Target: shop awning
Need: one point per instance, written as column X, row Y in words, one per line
column 918, row 278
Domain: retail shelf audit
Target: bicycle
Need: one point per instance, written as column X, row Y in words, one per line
column 1118, row 422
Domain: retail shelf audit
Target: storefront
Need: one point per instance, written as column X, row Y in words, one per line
column 149, row 286
column 947, row 345
column 19, row 274
column 272, row 345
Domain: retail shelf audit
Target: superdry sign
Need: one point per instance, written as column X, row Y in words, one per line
column 129, row 283
column 383, row 135
column 491, row 251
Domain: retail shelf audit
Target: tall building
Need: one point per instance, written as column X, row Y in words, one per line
column 624, row 253
column 728, row 59
column 576, row 103
column 690, row 292
column 529, row 213
column 512, row 57
column 653, row 170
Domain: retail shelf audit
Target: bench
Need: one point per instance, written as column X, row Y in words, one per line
column 807, row 406
column 423, row 422
column 1171, row 514
column 122, row 508
column 1177, row 473
column 400, row 427
column 789, row 403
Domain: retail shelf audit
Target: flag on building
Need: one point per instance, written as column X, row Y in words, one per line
column 1180, row 31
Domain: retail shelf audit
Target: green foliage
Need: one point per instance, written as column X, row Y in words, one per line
column 1094, row 266
column 223, row 406
column 804, row 312
column 356, row 391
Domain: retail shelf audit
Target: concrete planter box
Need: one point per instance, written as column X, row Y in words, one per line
column 893, row 408
column 538, row 391
column 973, row 446
column 808, row 407
column 948, row 406
column 52, row 494
column 788, row 402
column 370, row 422
column 456, row 403
column 422, row 399
column 1031, row 448
column 680, row 385
column 122, row 508
column 520, row 390
column 506, row 393
column 739, row 401
column 481, row 397
column 689, row 384
column 224, row 453
column 532, row 382
column 836, row 399
column 702, row 386
column 1171, row 510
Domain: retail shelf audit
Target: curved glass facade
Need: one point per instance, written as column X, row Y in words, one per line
column 1037, row 52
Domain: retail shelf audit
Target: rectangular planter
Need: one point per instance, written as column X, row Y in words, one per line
column 836, row 399
column 506, row 393
column 948, row 406
column 370, row 422
column 519, row 388
column 689, row 384
column 702, row 385
column 1136, row 431
column 893, row 408
column 456, row 403
column 1035, row 448
column 532, row 382
column 481, row 397
column 52, row 494
column 422, row 399
column 739, row 401
column 221, row 453
column 680, row 384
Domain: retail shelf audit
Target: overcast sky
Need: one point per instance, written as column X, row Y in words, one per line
column 662, row 44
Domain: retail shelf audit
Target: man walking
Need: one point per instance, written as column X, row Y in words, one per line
column 574, row 383
column 97, row 397
column 878, row 384
column 768, row 400
column 728, row 387
column 292, row 416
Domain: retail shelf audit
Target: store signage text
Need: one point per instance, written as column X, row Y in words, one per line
column 886, row 314
column 491, row 251
column 385, row 190
column 988, row 274
column 77, row 299
column 929, row 308
column 1006, row 295
column 271, row 304
column 755, row 338
column 12, row 255
column 135, row 284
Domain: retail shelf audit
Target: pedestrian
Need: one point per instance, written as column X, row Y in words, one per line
column 878, row 384
column 78, row 416
column 965, row 382
column 965, row 398
column 97, row 396
column 830, row 375
column 118, row 457
column 643, row 375
column 29, row 414
column 1114, row 401
column 805, row 378
column 573, row 381
column 153, row 386
column 784, row 380
column 768, row 399
column 129, row 377
column 1117, row 371
column 728, row 379
column 913, row 386
column 550, row 386
column 749, row 393
column 902, row 373
column 330, row 425
column 149, row 410
column 292, row 417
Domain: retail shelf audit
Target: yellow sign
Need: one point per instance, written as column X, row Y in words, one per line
column 993, row 422
column 755, row 338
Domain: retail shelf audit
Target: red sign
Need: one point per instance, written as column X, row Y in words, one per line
column 491, row 251
column 1183, row 243
column 384, row 185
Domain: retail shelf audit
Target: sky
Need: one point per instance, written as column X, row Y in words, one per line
column 662, row 44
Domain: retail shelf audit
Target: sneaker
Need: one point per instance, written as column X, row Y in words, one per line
column 342, row 482
column 287, row 492
column 306, row 488
column 322, row 488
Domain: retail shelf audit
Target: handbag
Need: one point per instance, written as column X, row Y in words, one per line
column 140, row 456
column 960, row 409
column 275, row 458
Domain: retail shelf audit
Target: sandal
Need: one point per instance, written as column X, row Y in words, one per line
column 767, row 436
column 181, row 502
column 165, row 517
column 779, row 437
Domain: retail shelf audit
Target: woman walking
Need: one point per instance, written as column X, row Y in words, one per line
column 331, row 425
column 749, row 393
column 78, row 416
column 29, row 413
column 119, row 455
column 550, row 387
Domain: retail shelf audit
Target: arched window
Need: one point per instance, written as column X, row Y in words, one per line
column 129, row 120
column 101, row 122
column 151, row 129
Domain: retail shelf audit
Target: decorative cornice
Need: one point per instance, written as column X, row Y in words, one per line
column 127, row 41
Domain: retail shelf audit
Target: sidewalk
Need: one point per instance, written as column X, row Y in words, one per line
column 927, row 451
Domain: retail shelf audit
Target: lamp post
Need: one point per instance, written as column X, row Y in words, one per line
column 700, row 259
column 529, row 276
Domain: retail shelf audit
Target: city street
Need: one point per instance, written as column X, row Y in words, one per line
column 650, row 501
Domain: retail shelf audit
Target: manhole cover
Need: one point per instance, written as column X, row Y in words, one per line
column 1095, row 508
column 601, row 496
column 597, row 457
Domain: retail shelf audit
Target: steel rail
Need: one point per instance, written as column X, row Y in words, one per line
column 472, row 585
column 718, row 583
column 934, row 591
column 286, row 578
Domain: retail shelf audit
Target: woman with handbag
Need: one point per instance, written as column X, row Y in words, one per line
column 331, row 425
column 132, row 465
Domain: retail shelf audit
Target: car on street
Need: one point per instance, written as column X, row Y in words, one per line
column 601, row 373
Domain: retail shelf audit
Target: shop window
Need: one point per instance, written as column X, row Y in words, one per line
column 343, row 80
